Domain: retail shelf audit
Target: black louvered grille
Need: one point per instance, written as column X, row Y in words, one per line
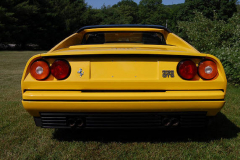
column 194, row 120
column 54, row 121
column 124, row 120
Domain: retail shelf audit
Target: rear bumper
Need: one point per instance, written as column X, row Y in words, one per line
column 123, row 95
column 35, row 107
column 94, row 109
column 210, row 102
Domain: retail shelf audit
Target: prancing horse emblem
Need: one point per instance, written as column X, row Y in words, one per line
column 81, row 72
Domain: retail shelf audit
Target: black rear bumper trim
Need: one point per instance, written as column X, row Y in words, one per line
column 121, row 120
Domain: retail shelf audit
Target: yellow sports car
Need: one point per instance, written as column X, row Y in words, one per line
column 123, row 76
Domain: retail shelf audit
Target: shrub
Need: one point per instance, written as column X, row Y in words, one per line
column 217, row 37
column 230, row 58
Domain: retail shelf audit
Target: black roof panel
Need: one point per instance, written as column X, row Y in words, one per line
column 124, row 26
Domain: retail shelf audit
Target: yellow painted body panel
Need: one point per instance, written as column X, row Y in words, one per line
column 119, row 73
column 123, row 49
column 123, row 78
column 34, row 107
column 80, row 95
column 125, row 70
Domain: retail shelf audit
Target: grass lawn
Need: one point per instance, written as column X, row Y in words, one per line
column 20, row 138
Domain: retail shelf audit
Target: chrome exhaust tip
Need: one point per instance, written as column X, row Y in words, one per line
column 166, row 122
column 175, row 122
column 79, row 122
column 71, row 122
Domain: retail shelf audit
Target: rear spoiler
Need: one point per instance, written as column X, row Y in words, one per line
column 124, row 26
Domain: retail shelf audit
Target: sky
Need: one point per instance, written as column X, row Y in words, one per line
column 99, row 3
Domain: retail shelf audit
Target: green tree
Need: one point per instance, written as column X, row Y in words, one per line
column 124, row 12
column 26, row 13
column 153, row 12
column 6, row 19
column 109, row 15
column 71, row 12
column 223, row 8
column 91, row 17
column 238, row 6
column 172, row 20
column 42, row 22
column 128, row 10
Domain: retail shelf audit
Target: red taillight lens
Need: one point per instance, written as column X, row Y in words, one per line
column 40, row 69
column 207, row 69
column 187, row 69
column 60, row 69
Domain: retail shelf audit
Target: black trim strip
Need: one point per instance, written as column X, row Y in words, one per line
column 121, row 91
column 192, row 113
column 127, row 100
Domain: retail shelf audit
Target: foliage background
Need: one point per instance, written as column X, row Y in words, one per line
column 217, row 37
column 212, row 26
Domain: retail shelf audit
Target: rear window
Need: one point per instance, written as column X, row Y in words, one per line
column 124, row 37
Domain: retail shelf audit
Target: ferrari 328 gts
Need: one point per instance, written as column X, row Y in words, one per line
column 123, row 76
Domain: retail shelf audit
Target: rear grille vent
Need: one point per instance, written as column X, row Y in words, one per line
column 124, row 120
column 54, row 121
column 131, row 120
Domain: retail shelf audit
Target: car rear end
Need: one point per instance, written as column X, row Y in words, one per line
column 123, row 86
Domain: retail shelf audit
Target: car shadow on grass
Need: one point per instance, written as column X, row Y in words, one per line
column 221, row 127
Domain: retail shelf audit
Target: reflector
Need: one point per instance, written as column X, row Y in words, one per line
column 187, row 69
column 207, row 69
column 40, row 70
column 60, row 69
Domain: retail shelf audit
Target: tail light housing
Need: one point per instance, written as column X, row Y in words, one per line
column 187, row 69
column 207, row 69
column 60, row 69
column 40, row 69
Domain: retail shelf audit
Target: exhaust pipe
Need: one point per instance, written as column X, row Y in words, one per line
column 75, row 122
column 166, row 122
column 72, row 122
column 79, row 122
column 175, row 122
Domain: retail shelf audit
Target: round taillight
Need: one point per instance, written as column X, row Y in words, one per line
column 207, row 69
column 187, row 69
column 60, row 69
column 40, row 70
